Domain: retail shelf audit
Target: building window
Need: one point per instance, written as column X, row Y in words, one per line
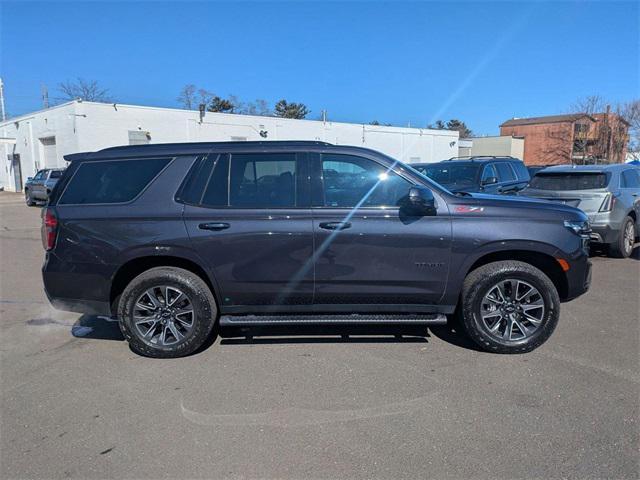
column 137, row 137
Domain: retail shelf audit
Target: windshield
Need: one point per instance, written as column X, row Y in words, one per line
column 452, row 175
column 569, row 181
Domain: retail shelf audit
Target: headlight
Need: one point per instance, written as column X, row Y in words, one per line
column 579, row 227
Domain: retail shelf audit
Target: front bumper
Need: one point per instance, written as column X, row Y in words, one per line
column 578, row 276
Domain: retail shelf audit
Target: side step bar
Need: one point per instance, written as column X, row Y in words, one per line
column 329, row 319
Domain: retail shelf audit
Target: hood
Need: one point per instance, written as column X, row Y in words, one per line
column 519, row 202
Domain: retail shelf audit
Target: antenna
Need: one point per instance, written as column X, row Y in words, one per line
column 3, row 112
column 45, row 95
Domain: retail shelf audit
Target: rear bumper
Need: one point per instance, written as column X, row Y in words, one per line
column 604, row 234
column 81, row 288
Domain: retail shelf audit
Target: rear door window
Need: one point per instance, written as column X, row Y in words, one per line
column 505, row 172
column 569, row 181
column 489, row 171
column 630, row 179
column 111, row 181
column 56, row 174
column 263, row 180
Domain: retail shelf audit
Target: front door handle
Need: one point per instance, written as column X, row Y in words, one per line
column 215, row 226
column 335, row 225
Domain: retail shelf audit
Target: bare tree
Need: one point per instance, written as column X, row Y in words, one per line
column 630, row 111
column 188, row 97
column 88, row 90
column 604, row 139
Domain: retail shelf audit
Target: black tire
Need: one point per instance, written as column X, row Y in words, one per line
column 28, row 199
column 480, row 281
column 201, row 300
column 619, row 248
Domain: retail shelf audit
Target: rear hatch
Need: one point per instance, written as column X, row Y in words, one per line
column 581, row 189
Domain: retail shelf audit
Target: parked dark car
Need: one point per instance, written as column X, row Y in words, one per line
column 496, row 175
column 609, row 194
column 38, row 187
column 173, row 239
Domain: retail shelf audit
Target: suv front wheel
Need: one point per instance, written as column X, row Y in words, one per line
column 167, row 312
column 509, row 307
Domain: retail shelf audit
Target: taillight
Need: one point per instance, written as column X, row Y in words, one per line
column 49, row 228
column 608, row 203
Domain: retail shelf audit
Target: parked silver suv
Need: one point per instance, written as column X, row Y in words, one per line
column 609, row 194
column 38, row 187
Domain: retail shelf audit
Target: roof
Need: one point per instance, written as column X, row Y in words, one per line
column 612, row 167
column 571, row 117
column 194, row 148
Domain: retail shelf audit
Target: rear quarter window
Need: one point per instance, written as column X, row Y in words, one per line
column 521, row 171
column 111, row 181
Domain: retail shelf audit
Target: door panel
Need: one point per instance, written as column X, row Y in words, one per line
column 261, row 258
column 250, row 220
column 381, row 258
column 367, row 251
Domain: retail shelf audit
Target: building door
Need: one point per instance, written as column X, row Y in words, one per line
column 17, row 170
column 49, row 153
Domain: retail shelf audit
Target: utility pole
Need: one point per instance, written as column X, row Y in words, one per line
column 4, row 113
column 45, row 95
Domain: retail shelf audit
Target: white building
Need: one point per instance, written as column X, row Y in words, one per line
column 500, row 146
column 42, row 138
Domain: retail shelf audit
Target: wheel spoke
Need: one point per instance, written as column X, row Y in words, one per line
column 142, row 306
column 535, row 321
column 149, row 333
column 151, row 295
column 174, row 331
column 176, row 301
column 506, row 335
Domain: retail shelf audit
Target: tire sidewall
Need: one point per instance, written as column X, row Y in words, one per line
column 621, row 239
column 479, row 332
column 204, row 307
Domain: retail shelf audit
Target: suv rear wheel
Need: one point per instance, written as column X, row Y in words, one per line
column 167, row 312
column 623, row 246
column 509, row 307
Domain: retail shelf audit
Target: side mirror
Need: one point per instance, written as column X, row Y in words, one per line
column 29, row 179
column 490, row 181
column 420, row 202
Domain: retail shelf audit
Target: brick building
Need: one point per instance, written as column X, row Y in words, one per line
column 577, row 138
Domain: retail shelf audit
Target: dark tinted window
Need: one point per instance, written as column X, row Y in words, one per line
column 56, row 174
column 217, row 192
column 113, row 181
column 263, row 180
column 453, row 175
column 630, row 179
column 349, row 181
column 196, row 181
column 505, row 172
column 489, row 171
column 569, row 181
column 40, row 175
column 521, row 171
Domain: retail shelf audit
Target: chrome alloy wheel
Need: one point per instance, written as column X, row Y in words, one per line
column 628, row 238
column 512, row 310
column 163, row 316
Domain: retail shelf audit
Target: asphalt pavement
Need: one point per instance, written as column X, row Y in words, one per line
column 77, row 403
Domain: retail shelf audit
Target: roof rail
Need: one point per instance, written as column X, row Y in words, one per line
column 480, row 157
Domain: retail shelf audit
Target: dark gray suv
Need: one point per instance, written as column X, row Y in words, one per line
column 178, row 240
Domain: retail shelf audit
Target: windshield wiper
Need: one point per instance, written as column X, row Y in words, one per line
column 462, row 194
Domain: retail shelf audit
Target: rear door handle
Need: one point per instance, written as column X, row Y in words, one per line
column 215, row 226
column 335, row 225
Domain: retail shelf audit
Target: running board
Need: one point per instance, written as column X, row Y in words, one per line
column 352, row 319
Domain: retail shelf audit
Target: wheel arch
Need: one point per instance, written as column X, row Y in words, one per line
column 135, row 266
column 542, row 261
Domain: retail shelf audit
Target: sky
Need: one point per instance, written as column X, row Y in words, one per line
column 404, row 63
